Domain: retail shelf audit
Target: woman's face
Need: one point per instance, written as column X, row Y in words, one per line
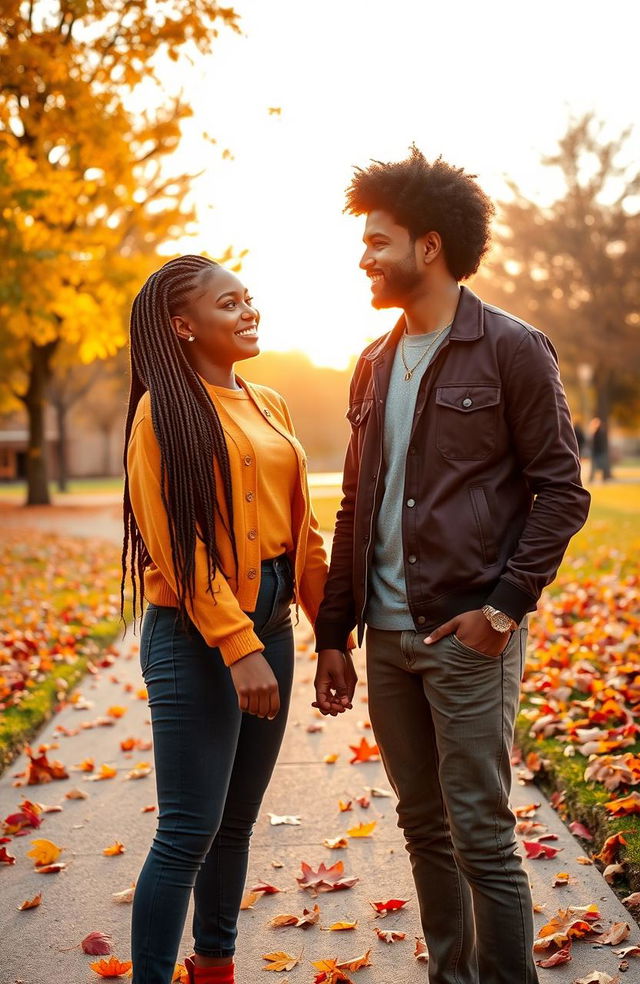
column 221, row 316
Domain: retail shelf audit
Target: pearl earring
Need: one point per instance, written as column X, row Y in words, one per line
column 191, row 338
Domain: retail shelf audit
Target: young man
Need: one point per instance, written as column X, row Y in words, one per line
column 461, row 492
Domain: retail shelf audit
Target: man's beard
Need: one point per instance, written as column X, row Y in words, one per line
column 400, row 282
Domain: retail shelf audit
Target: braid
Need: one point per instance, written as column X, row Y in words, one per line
column 188, row 430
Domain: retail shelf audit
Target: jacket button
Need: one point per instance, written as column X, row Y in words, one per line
column 467, row 402
column 411, row 503
column 412, row 558
column 249, row 496
column 421, row 620
column 252, row 534
column 252, row 573
column 248, row 460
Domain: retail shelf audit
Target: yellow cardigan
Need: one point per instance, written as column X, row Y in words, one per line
column 221, row 618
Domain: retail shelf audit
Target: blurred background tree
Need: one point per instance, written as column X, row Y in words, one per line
column 85, row 195
column 571, row 267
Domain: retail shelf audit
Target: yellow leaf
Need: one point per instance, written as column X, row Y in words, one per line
column 44, row 851
column 280, row 961
column 363, row 829
column 343, row 925
column 249, row 899
column 115, row 848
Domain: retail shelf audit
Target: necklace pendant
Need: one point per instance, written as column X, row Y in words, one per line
column 408, row 374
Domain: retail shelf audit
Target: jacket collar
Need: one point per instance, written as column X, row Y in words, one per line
column 468, row 325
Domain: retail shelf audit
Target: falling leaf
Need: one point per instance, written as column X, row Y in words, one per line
column 363, row 829
column 96, row 944
column 276, row 820
column 389, row 935
column 392, row 905
column 325, row 879
column 421, row 952
column 364, row 752
column 560, row 957
column 345, row 806
column 335, row 842
column 308, row 918
column 5, row 857
column 573, row 922
column 44, row 852
column 40, row 770
column 113, row 849
column 31, row 903
column 280, row 961
column 342, row 926
column 112, row 967
column 249, row 899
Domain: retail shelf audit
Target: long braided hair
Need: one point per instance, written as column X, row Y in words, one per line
column 188, row 430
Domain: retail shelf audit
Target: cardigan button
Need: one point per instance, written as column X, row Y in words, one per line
column 252, row 573
column 249, row 496
column 412, row 558
column 248, row 460
column 252, row 534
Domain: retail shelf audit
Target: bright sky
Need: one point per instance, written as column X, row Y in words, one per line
column 489, row 85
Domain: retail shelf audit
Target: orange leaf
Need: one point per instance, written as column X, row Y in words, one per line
column 335, row 842
column 341, row 926
column 325, row 879
column 364, row 752
column 116, row 711
column 106, row 772
column 625, row 805
column 308, row 918
column 249, row 899
column 331, row 759
column 113, row 849
column 280, row 961
column 345, row 805
column 31, row 903
column 421, row 952
column 44, row 852
column 112, row 967
column 363, row 829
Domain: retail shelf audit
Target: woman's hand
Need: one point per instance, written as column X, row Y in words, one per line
column 335, row 682
column 475, row 631
column 256, row 686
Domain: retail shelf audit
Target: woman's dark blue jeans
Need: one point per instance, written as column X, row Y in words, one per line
column 213, row 764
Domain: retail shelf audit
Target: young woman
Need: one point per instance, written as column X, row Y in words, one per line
column 220, row 539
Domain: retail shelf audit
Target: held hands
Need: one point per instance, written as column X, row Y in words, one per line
column 335, row 682
column 475, row 631
column 256, row 686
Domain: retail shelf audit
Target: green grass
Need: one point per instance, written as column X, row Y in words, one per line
column 16, row 491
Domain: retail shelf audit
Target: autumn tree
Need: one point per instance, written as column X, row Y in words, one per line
column 571, row 266
column 84, row 189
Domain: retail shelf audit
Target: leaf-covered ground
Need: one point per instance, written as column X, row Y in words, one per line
column 59, row 603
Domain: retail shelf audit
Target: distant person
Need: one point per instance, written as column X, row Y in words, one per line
column 599, row 444
column 581, row 437
column 461, row 492
column 220, row 539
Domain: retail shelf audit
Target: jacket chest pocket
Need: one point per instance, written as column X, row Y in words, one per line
column 467, row 420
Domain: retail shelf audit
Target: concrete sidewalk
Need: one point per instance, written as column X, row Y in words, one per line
column 79, row 900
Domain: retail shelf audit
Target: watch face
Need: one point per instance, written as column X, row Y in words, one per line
column 501, row 622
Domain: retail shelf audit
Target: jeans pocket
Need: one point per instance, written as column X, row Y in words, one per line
column 462, row 646
column 146, row 638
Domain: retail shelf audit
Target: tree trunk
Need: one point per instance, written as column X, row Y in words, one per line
column 106, row 451
column 603, row 383
column 34, row 401
column 63, row 467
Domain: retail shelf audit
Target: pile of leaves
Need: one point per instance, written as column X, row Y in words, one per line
column 580, row 715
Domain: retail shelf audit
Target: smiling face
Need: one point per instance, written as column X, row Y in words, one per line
column 391, row 262
column 219, row 313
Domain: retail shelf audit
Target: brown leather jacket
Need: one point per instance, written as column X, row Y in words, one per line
column 492, row 486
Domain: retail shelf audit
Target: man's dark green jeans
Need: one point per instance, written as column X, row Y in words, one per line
column 443, row 716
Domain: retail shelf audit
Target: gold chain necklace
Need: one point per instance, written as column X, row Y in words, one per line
column 409, row 372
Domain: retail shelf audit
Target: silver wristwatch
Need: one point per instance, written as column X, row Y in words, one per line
column 498, row 620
